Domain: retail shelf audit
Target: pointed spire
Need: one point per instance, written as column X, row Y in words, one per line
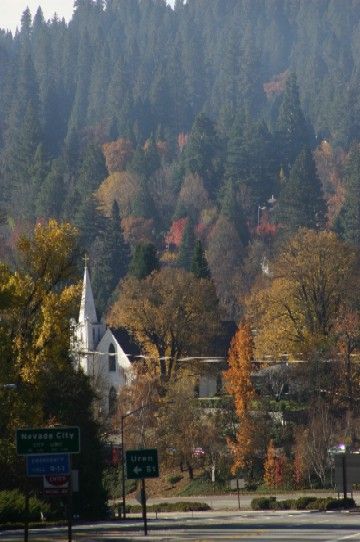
column 87, row 307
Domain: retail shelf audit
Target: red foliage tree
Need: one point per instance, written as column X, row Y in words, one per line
column 176, row 232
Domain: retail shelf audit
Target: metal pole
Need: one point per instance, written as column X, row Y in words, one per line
column 26, row 522
column 123, row 468
column 69, row 505
column 238, row 491
column 143, row 503
column 344, row 475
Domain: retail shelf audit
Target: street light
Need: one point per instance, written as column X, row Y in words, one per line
column 147, row 405
column 123, row 454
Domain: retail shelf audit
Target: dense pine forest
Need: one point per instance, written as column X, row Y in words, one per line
column 191, row 118
column 206, row 159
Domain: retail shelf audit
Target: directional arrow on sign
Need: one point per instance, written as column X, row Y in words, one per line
column 142, row 463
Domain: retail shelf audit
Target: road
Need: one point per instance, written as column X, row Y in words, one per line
column 218, row 526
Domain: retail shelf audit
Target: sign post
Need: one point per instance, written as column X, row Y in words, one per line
column 141, row 464
column 47, row 453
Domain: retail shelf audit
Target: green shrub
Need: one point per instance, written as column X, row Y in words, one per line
column 263, row 503
column 288, row 504
column 319, row 504
column 12, row 507
column 174, row 479
column 302, row 503
column 340, row 504
column 173, row 507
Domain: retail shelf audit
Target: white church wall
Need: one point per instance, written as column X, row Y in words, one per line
column 122, row 373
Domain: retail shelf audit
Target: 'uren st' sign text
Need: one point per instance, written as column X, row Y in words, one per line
column 52, row 440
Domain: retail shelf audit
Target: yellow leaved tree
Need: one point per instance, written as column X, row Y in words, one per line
column 171, row 313
column 312, row 277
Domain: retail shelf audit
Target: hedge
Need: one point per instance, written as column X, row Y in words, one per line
column 302, row 503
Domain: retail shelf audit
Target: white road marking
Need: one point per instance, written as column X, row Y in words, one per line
column 348, row 537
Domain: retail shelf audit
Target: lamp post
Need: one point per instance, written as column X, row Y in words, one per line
column 123, row 417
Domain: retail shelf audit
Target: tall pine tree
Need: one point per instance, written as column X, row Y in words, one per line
column 301, row 202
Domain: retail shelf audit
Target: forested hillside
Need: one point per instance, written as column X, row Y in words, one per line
column 206, row 159
column 229, row 123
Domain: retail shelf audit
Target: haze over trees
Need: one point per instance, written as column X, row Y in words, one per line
column 207, row 159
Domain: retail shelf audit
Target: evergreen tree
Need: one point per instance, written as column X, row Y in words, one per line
column 20, row 163
column 152, row 158
column 144, row 261
column 187, row 246
column 349, row 219
column 230, row 207
column 301, row 202
column 293, row 131
column 38, row 170
column 111, row 259
column 199, row 265
column 51, row 198
column 90, row 222
column 251, row 162
column 203, row 151
column 93, row 170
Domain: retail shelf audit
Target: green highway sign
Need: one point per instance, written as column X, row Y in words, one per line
column 142, row 464
column 54, row 440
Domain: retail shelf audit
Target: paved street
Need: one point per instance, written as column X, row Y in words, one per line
column 252, row 526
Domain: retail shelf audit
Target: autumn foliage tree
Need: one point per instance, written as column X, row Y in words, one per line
column 275, row 467
column 297, row 308
column 238, row 384
column 117, row 154
column 238, row 376
column 171, row 313
column 36, row 303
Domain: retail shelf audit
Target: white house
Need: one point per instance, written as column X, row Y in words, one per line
column 103, row 353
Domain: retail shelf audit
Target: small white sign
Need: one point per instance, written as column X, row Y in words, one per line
column 240, row 483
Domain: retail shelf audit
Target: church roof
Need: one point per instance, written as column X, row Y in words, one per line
column 126, row 341
column 87, row 306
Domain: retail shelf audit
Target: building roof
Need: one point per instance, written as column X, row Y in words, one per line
column 126, row 341
column 87, row 306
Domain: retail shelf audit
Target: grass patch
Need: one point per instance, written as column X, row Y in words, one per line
column 203, row 486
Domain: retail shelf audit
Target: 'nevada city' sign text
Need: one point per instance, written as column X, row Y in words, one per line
column 48, row 441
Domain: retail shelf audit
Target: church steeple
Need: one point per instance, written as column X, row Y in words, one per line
column 87, row 307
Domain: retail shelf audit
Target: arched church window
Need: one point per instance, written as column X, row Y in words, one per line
column 112, row 359
column 112, row 401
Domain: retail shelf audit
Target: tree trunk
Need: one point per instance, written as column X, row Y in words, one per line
column 190, row 471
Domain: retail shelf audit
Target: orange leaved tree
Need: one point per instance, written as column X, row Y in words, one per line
column 238, row 384
column 237, row 377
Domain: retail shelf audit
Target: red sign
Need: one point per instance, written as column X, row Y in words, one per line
column 56, row 485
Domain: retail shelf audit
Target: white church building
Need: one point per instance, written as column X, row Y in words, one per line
column 104, row 354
